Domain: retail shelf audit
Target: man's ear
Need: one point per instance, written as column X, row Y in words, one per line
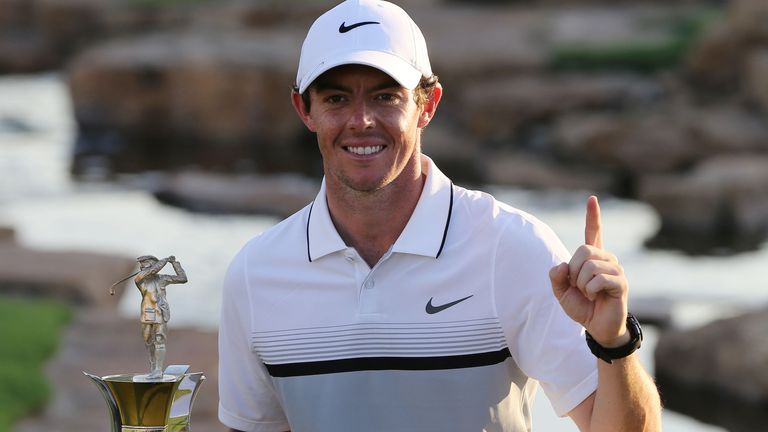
column 302, row 111
column 430, row 106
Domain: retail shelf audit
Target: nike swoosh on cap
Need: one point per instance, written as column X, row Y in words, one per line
column 431, row 309
column 343, row 28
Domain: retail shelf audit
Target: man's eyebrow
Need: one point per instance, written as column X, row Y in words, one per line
column 388, row 84
column 325, row 85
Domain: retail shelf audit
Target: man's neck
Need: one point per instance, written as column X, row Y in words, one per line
column 371, row 222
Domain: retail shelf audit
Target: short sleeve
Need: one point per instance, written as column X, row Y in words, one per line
column 247, row 398
column 546, row 344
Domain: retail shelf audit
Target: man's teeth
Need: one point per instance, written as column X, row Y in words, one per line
column 365, row 150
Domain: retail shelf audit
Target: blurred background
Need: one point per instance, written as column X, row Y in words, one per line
column 131, row 127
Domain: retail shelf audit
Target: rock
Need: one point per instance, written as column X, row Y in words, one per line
column 24, row 51
column 651, row 143
column 269, row 14
column 76, row 277
column 655, row 311
column 715, row 60
column 502, row 42
column 530, row 172
column 501, row 107
column 458, row 155
column 667, row 141
column 726, row 129
column 205, row 192
column 7, row 235
column 39, row 35
column 747, row 18
column 70, row 24
column 718, row 372
column 66, row 26
column 15, row 14
column 191, row 99
column 757, row 78
column 720, row 205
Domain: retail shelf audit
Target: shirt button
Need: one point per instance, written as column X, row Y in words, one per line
column 369, row 283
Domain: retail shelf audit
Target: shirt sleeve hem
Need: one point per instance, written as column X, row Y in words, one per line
column 236, row 422
column 567, row 402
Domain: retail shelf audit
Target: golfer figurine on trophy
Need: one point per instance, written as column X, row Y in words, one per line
column 155, row 311
column 161, row 400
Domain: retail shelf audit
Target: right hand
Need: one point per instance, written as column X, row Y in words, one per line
column 171, row 258
column 592, row 288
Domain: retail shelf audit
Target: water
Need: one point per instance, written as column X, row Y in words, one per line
column 49, row 211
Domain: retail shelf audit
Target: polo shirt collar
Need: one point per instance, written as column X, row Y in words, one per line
column 322, row 237
column 423, row 235
column 428, row 226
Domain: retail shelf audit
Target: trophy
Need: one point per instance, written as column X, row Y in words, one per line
column 160, row 400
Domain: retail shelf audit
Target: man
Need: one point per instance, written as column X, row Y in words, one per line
column 397, row 301
column 155, row 311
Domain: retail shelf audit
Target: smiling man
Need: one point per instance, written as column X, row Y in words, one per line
column 397, row 301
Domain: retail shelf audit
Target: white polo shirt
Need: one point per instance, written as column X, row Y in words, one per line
column 451, row 330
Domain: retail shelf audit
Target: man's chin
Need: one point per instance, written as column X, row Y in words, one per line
column 367, row 187
column 364, row 185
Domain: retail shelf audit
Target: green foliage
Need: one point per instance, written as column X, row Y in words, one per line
column 29, row 333
column 639, row 57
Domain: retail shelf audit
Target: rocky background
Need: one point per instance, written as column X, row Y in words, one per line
column 664, row 102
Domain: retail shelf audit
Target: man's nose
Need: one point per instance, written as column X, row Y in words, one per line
column 362, row 116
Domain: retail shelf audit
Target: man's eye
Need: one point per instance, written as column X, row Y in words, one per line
column 334, row 98
column 388, row 97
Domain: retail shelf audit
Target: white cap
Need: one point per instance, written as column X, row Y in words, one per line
column 368, row 32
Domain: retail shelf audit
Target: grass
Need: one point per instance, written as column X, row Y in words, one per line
column 29, row 334
column 639, row 57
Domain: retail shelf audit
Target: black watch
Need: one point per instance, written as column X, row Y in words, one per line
column 610, row 354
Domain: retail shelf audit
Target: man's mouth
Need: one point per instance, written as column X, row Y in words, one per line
column 364, row 151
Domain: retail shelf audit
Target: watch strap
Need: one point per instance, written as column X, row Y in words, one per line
column 610, row 354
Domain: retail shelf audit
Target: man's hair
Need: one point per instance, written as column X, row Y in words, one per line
column 421, row 93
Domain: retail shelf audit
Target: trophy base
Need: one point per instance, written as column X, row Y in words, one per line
column 138, row 403
column 143, row 429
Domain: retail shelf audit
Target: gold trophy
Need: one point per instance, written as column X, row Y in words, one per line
column 161, row 400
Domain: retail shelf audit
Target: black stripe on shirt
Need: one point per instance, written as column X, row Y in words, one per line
column 447, row 223
column 309, row 217
column 387, row 363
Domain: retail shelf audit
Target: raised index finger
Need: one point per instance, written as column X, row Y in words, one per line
column 593, row 232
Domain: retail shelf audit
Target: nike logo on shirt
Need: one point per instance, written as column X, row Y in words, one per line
column 431, row 309
column 345, row 28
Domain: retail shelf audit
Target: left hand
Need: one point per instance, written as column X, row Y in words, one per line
column 592, row 288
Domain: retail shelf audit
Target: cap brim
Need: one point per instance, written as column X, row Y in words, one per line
column 400, row 70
